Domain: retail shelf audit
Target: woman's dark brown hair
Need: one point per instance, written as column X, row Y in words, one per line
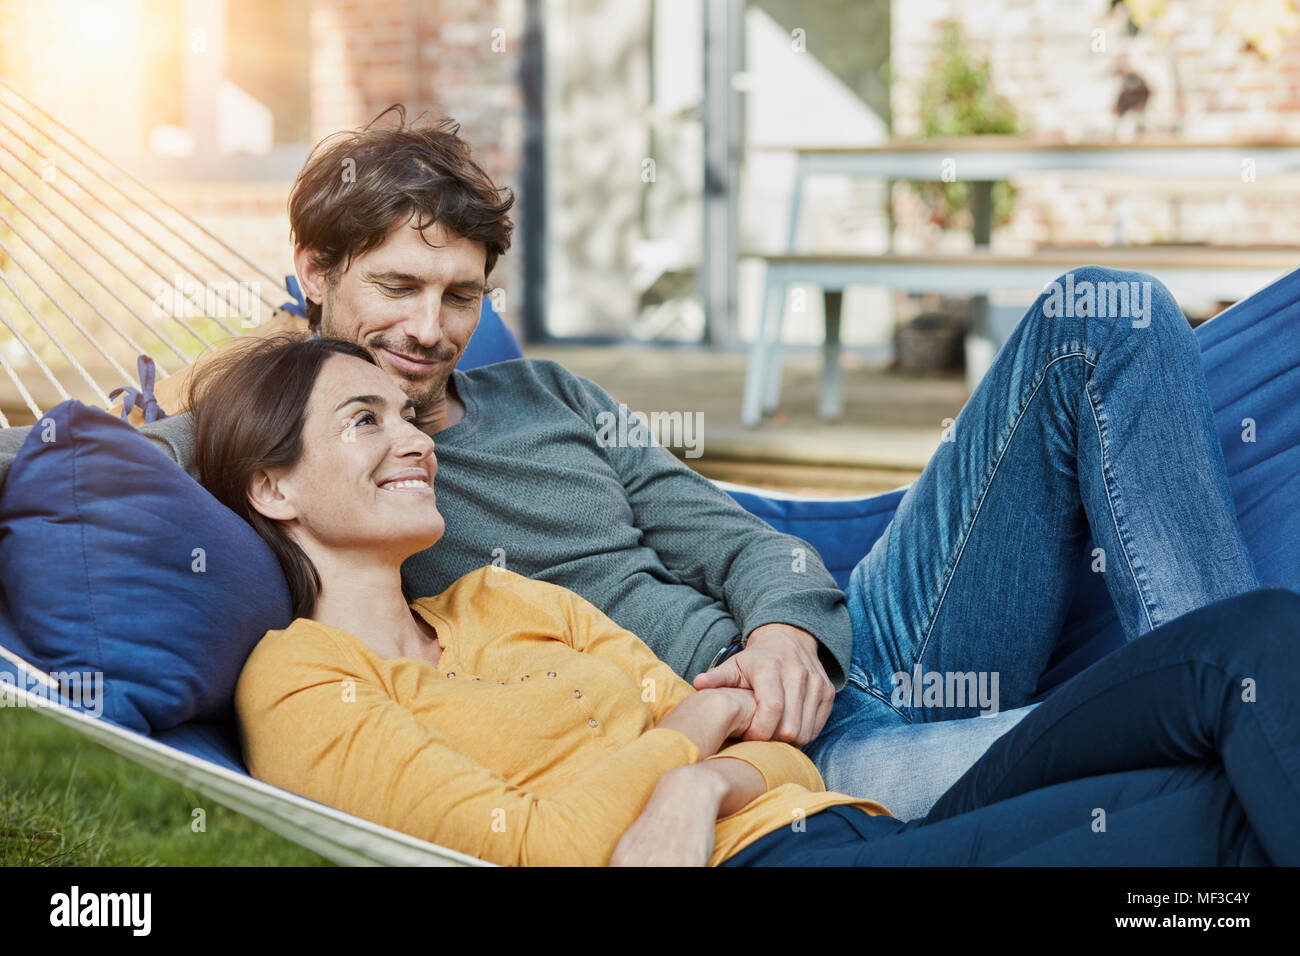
column 248, row 403
column 355, row 186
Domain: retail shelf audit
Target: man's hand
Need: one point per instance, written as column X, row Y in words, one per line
column 780, row 665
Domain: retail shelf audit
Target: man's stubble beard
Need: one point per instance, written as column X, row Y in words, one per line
column 426, row 394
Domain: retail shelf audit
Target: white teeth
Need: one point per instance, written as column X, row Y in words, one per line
column 407, row 483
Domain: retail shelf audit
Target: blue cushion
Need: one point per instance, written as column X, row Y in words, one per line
column 842, row 530
column 491, row 342
column 127, row 567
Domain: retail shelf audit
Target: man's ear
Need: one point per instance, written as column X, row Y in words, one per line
column 310, row 276
column 267, row 496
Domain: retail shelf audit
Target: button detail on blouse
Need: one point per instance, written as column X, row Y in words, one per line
column 594, row 722
column 576, row 692
column 550, row 673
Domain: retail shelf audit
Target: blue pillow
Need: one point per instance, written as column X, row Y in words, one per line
column 491, row 342
column 115, row 561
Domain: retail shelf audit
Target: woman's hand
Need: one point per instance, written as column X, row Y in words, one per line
column 709, row 717
column 676, row 827
column 677, row 824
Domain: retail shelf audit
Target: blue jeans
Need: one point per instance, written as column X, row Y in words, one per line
column 1087, row 427
column 1182, row 748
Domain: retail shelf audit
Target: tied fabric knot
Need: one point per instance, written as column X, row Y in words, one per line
column 142, row 398
column 298, row 306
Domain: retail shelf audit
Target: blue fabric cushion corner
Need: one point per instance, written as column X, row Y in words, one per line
column 491, row 342
column 127, row 567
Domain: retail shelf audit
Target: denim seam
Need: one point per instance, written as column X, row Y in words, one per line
column 869, row 688
column 1111, row 497
column 988, row 483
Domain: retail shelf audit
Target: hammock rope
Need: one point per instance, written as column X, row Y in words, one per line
column 64, row 173
column 108, row 356
column 82, row 265
column 72, row 359
column 132, row 343
column 123, row 215
column 108, row 232
column 275, row 282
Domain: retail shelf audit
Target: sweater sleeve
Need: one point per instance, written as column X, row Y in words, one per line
column 11, row 440
column 709, row 541
column 174, row 437
column 311, row 724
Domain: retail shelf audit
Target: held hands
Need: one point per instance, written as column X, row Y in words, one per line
column 774, row 689
column 711, row 717
column 780, row 665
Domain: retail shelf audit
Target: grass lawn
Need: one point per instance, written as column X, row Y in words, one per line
column 67, row 801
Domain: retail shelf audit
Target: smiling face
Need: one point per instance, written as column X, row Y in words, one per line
column 364, row 481
column 413, row 302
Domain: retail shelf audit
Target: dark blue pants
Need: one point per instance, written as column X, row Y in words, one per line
column 1180, row 748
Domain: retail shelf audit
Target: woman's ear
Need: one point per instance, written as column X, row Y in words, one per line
column 310, row 276
column 267, row 495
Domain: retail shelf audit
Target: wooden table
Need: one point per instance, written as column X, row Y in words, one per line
column 984, row 160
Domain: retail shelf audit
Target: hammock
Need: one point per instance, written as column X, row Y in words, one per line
column 78, row 246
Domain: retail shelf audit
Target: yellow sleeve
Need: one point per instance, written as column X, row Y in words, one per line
column 778, row 762
column 594, row 632
column 310, row 724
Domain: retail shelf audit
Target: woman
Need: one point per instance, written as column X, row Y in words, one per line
column 510, row 719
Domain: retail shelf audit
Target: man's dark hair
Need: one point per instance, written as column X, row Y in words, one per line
column 355, row 186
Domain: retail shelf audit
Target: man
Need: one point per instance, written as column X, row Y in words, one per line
column 1087, row 423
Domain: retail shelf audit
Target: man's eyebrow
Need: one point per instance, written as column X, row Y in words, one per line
column 468, row 285
column 371, row 400
column 392, row 275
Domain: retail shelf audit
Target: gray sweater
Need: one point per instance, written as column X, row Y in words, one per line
column 524, row 482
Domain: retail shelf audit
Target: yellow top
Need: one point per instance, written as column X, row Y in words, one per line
column 531, row 742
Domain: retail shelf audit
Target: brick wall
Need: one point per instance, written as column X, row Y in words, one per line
column 1045, row 56
column 442, row 56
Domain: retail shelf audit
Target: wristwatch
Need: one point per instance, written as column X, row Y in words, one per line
column 735, row 647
